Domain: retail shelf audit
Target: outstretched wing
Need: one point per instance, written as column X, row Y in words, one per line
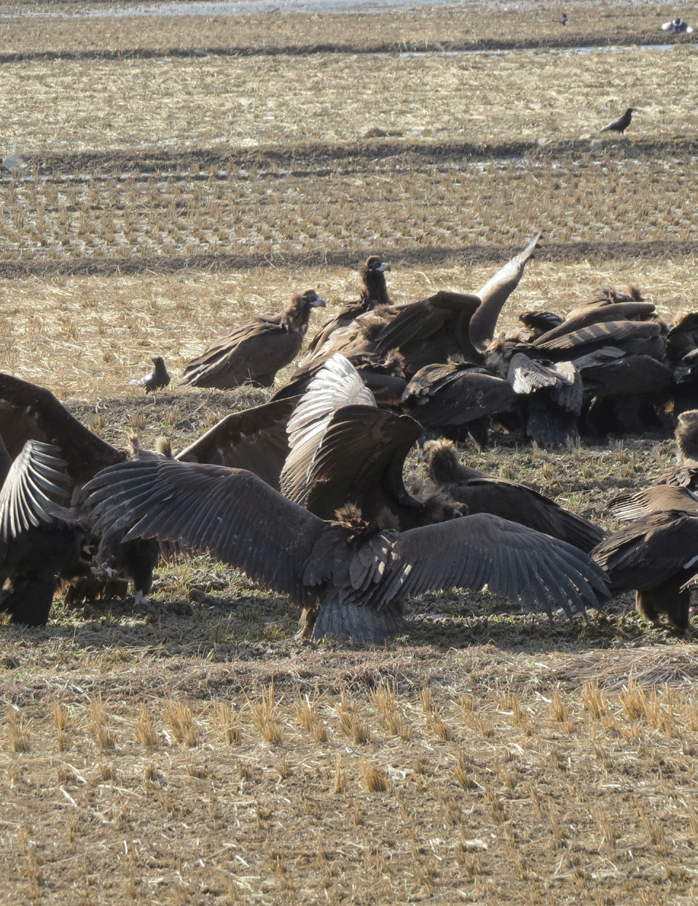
column 30, row 412
column 229, row 512
column 495, row 293
column 254, row 440
column 31, row 488
column 486, row 551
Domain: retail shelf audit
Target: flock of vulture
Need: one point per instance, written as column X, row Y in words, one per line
column 307, row 493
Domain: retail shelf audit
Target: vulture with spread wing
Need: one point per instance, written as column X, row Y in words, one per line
column 253, row 353
column 357, row 572
column 656, row 554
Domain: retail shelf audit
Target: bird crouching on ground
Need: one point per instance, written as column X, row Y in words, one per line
column 622, row 123
column 358, row 573
column 254, row 352
column 157, row 378
column 677, row 27
column 476, row 492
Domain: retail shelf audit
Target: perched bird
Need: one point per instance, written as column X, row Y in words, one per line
column 41, row 542
column 253, row 353
column 358, row 573
column 374, row 293
column 157, row 378
column 477, row 492
column 677, row 27
column 565, row 19
column 621, row 124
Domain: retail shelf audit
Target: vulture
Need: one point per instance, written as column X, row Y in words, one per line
column 476, row 492
column 685, row 472
column 345, row 450
column 622, row 123
column 358, row 572
column 28, row 411
column 443, row 326
column 458, row 398
column 157, row 378
column 374, row 294
column 656, row 554
column 253, row 353
column 41, row 542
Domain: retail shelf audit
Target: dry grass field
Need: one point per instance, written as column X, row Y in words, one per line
column 180, row 173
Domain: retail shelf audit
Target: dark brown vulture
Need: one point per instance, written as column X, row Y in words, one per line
column 345, row 450
column 253, row 353
column 41, row 542
column 157, row 378
column 685, row 473
column 358, row 573
column 476, row 492
column 458, row 398
column 374, row 293
column 656, row 554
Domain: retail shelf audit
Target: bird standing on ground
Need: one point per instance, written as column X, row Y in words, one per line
column 565, row 19
column 621, row 124
column 253, row 353
column 157, row 378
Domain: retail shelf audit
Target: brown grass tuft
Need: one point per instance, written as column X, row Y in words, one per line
column 263, row 714
column 103, row 735
column 227, row 722
column 180, row 720
column 16, row 730
column 375, row 779
column 145, row 729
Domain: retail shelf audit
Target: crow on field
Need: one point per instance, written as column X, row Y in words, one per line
column 620, row 125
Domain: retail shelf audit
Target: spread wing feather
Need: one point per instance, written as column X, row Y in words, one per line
column 484, row 550
column 230, row 512
column 30, row 489
column 254, row 440
column 30, row 412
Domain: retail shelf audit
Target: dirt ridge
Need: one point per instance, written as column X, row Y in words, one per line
column 345, row 257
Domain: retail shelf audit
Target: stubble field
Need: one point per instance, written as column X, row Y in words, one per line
column 179, row 174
